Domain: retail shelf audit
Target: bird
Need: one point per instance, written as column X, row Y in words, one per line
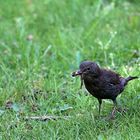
column 102, row 83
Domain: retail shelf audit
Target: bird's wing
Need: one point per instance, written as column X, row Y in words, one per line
column 111, row 77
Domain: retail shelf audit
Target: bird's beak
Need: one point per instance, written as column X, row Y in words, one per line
column 76, row 73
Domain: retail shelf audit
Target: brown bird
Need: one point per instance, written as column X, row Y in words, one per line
column 101, row 83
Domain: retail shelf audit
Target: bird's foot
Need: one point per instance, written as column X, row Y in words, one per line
column 122, row 110
column 112, row 115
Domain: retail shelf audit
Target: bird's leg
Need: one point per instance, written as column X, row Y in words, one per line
column 100, row 102
column 114, row 108
column 119, row 109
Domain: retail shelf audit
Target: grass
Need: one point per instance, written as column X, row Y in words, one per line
column 42, row 42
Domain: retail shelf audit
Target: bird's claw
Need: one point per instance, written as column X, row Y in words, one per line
column 122, row 110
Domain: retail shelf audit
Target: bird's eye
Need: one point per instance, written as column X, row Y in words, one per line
column 88, row 68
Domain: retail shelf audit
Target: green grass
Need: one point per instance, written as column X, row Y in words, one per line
column 35, row 73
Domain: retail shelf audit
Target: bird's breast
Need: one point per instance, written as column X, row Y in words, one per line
column 93, row 88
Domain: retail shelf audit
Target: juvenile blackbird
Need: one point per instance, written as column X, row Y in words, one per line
column 101, row 83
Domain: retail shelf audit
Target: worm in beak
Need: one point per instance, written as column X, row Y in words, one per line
column 78, row 73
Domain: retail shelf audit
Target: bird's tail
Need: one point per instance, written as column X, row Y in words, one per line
column 129, row 79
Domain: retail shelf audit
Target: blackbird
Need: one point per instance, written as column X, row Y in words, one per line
column 101, row 83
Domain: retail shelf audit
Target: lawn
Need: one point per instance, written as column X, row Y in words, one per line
column 42, row 43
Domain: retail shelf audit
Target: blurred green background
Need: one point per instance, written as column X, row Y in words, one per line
column 42, row 43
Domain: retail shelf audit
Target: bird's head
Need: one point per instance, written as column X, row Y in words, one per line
column 87, row 69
